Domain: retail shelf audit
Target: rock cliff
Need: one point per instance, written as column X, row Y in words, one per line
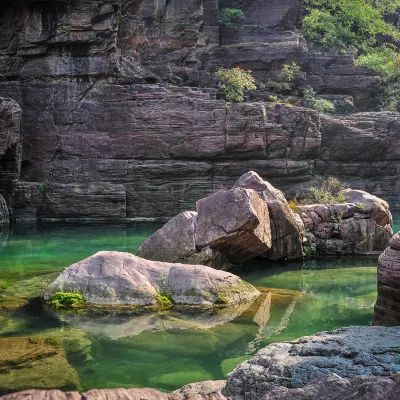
column 120, row 118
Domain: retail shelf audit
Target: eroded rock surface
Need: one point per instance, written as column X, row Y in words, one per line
column 115, row 278
column 348, row 352
column 387, row 307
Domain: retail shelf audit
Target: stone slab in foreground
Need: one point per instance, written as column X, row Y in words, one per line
column 116, row 278
column 348, row 352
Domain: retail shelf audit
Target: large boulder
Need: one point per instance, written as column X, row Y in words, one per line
column 175, row 243
column 338, row 229
column 349, row 353
column 115, row 278
column 236, row 222
column 286, row 232
column 34, row 363
column 387, row 307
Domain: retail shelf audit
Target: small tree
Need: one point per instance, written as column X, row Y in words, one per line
column 330, row 191
column 231, row 17
column 233, row 83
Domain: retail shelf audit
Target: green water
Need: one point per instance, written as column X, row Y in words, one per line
column 166, row 350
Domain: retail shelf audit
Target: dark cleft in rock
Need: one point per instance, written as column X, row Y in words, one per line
column 387, row 307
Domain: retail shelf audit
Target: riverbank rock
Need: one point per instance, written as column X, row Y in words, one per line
column 286, row 232
column 115, row 278
column 34, row 363
column 350, row 228
column 387, row 307
column 348, row 352
column 236, row 222
column 4, row 215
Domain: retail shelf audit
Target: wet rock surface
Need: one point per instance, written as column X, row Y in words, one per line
column 348, row 352
column 387, row 307
column 36, row 363
column 115, row 278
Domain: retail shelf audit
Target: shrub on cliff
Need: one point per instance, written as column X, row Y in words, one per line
column 233, row 83
column 321, row 105
column 231, row 18
column 329, row 191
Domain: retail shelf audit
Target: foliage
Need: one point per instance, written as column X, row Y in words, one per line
column 385, row 60
column 321, row 105
column 293, row 206
column 231, row 17
column 234, row 82
column 345, row 24
column 359, row 25
column 67, row 300
column 288, row 72
column 330, row 191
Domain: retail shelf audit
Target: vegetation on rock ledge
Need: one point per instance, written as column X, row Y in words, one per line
column 234, row 82
column 67, row 300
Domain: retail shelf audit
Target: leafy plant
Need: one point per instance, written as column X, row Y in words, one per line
column 222, row 300
column 231, row 17
column 164, row 297
column 288, row 72
column 321, row 105
column 330, row 191
column 234, row 82
column 67, row 300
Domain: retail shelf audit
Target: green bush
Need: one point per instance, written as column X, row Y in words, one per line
column 321, row 105
column 330, row 191
column 233, row 83
column 231, row 17
column 385, row 60
column 348, row 23
column 288, row 72
column 67, row 300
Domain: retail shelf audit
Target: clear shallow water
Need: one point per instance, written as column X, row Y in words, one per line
column 166, row 350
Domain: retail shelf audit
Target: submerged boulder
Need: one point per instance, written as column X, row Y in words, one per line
column 116, row 278
column 236, row 222
column 387, row 307
column 34, row 363
column 349, row 353
column 285, row 230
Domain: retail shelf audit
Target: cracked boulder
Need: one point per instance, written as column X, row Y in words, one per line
column 285, row 230
column 387, row 307
column 112, row 278
column 235, row 222
column 350, row 353
column 175, row 243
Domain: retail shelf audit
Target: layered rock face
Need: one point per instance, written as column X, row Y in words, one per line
column 106, row 135
column 387, row 307
column 114, row 278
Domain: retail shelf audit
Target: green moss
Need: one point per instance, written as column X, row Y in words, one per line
column 222, row 300
column 164, row 300
column 67, row 300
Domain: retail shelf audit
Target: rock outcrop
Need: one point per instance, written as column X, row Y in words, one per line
column 34, row 363
column 229, row 226
column 352, row 228
column 387, row 307
column 4, row 215
column 114, row 278
column 350, row 353
column 111, row 129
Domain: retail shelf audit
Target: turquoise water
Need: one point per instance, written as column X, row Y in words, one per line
column 168, row 349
